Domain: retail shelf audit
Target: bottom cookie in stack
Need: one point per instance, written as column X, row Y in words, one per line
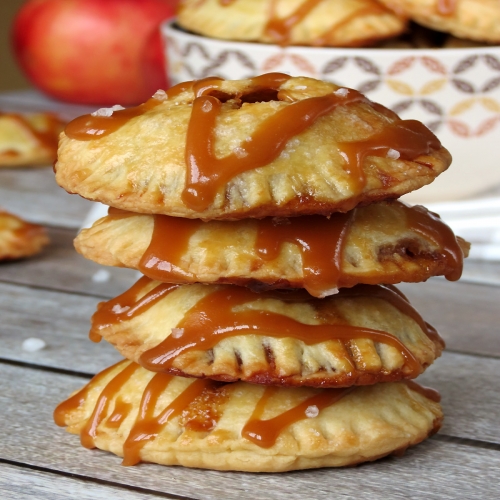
column 360, row 336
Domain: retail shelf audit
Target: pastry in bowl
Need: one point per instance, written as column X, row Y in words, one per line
column 336, row 23
column 18, row 238
column 268, row 146
column 28, row 139
column 470, row 19
column 360, row 336
column 143, row 416
column 385, row 242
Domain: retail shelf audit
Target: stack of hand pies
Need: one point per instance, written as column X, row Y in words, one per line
column 265, row 334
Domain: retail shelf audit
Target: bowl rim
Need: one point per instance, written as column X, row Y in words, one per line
column 170, row 27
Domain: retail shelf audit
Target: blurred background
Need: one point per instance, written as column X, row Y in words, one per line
column 11, row 77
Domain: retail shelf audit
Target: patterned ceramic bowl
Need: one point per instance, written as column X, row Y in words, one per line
column 455, row 92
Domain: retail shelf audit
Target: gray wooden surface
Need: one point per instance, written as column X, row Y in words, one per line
column 52, row 297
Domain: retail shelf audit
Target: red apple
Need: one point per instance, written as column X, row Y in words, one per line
column 93, row 51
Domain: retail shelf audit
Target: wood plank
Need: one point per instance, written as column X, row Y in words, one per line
column 432, row 470
column 61, row 320
column 466, row 315
column 60, row 267
column 33, row 194
column 21, row 483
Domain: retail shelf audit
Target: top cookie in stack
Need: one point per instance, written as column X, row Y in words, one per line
column 217, row 182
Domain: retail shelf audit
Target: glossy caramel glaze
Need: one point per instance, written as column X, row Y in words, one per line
column 198, row 406
column 320, row 240
column 219, row 315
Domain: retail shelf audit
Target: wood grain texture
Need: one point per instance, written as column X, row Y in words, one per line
column 60, row 267
column 61, row 320
column 18, row 483
column 432, row 470
column 33, row 194
column 465, row 314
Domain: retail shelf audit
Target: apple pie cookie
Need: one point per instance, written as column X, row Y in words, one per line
column 337, row 23
column 472, row 19
column 18, row 238
column 362, row 335
column 160, row 418
column 385, row 242
column 28, row 139
column 272, row 145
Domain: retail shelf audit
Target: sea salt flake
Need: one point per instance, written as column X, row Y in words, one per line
column 101, row 276
column 392, row 153
column 160, row 94
column 240, row 152
column 342, row 92
column 312, row 411
column 33, row 344
column 107, row 111
column 177, row 332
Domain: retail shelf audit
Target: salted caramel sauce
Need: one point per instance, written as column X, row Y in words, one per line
column 213, row 319
column 431, row 227
column 446, row 7
column 374, row 9
column 89, row 127
column 127, row 306
column 264, row 433
column 410, row 138
column 321, row 243
column 427, row 392
column 120, row 412
column 206, row 173
column 89, row 431
column 279, row 29
column 78, row 399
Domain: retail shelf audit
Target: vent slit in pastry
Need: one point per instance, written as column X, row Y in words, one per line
column 150, row 417
column 284, row 338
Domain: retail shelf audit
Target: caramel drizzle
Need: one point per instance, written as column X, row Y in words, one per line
column 147, row 427
column 126, row 306
column 213, row 319
column 264, row 433
column 446, row 7
column 279, row 29
column 321, row 242
column 89, row 127
column 207, row 173
column 430, row 226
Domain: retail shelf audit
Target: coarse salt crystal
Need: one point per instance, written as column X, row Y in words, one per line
column 177, row 332
column 392, row 153
column 312, row 411
column 342, row 92
column 32, row 344
column 107, row 111
column 160, row 94
column 101, row 276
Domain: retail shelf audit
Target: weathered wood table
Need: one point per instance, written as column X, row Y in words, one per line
column 52, row 297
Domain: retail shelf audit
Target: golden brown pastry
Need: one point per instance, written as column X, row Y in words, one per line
column 385, row 242
column 149, row 417
column 18, row 238
column 338, row 23
column 28, row 139
column 360, row 336
column 472, row 19
column 268, row 146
